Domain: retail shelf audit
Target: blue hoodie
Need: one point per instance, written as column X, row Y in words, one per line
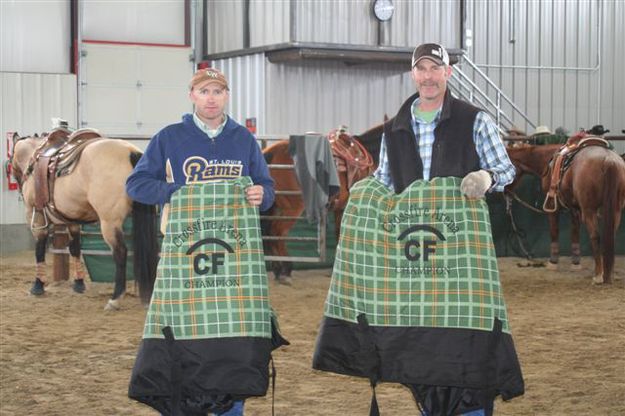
column 195, row 158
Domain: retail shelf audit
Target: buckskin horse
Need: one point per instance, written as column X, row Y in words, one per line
column 76, row 178
column 590, row 183
column 353, row 161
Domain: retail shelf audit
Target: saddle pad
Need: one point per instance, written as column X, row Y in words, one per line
column 421, row 258
column 211, row 280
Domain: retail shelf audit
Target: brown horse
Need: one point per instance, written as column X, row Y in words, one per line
column 348, row 154
column 92, row 189
column 593, row 185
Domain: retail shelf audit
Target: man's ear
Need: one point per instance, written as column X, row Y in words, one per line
column 448, row 71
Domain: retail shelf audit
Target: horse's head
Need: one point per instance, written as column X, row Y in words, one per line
column 23, row 150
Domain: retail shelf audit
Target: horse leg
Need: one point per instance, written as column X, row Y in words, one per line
column 575, row 247
column 282, row 269
column 41, row 238
column 74, row 251
column 269, row 246
column 591, row 221
column 554, row 232
column 114, row 237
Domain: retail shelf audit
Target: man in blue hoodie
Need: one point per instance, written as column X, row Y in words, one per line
column 206, row 146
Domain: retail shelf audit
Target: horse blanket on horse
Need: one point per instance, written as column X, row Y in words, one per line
column 415, row 296
column 207, row 339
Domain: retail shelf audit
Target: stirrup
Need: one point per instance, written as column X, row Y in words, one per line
column 554, row 206
column 32, row 221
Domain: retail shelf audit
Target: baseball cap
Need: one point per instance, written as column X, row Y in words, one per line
column 208, row 75
column 432, row 51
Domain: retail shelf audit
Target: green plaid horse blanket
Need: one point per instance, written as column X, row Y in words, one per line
column 423, row 258
column 209, row 332
column 211, row 280
column 415, row 296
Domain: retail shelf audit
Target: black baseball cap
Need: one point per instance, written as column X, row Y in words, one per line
column 431, row 51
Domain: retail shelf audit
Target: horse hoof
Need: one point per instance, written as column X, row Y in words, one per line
column 285, row 280
column 597, row 280
column 37, row 288
column 552, row 266
column 79, row 286
column 576, row 267
column 112, row 305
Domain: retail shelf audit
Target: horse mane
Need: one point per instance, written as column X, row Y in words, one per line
column 532, row 158
column 272, row 147
column 271, row 151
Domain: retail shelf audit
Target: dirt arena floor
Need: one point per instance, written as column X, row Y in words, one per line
column 62, row 354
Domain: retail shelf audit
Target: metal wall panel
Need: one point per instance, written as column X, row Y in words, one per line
column 225, row 26
column 246, row 79
column 35, row 36
column 421, row 21
column 341, row 21
column 557, row 60
column 319, row 96
column 337, row 22
column 269, row 22
column 28, row 102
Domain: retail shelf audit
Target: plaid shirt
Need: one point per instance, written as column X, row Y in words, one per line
column 490, row 149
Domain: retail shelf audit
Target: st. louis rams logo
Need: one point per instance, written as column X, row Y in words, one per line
column 412, row 247
column 217, row 258
column 198, row 170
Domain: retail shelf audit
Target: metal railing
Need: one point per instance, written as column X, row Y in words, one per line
column 467, row 88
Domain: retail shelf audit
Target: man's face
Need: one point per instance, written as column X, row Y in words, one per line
column 210, row 100
column 431, row 79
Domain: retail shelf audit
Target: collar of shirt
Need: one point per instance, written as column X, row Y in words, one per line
column 414, row 111
column 211, row 133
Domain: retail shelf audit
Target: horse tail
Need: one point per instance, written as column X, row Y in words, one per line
column 145, row 247
column 145, row 243
column 610, row 209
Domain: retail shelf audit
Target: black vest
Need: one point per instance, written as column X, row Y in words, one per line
column 453, row 152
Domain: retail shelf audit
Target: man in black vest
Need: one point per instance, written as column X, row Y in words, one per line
column 437, row 135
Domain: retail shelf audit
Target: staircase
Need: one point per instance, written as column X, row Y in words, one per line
column 495, row 102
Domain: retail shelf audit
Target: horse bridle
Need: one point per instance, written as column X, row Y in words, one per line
column 17, row 171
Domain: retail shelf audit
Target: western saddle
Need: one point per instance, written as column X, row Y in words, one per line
column 56, row 156
column 350, row 156
column 561, row 161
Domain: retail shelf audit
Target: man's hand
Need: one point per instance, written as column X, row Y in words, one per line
column 254, row 194
column 475, row 184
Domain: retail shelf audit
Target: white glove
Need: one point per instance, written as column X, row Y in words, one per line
column 475, row 184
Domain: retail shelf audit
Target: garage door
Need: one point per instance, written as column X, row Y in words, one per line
column 133, row 89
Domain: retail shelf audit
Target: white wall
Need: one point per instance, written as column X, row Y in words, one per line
column 34, row 36
column 28, row 103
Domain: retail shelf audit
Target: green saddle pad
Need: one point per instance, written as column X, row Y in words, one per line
column 423, row 258
column 211, row 280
